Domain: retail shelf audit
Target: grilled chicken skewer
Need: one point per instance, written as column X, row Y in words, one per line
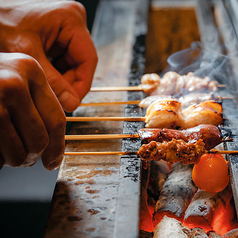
column 171, row 84
column 173, row 151
column 225, row 152
column 210, row 134
column 174, row 84
column 168, row 113
column 186, row 100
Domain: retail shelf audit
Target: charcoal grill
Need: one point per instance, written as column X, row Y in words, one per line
column 99, row 196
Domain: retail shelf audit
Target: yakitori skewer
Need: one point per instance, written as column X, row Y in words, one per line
column 135, row 102
column 210, row 135
column 125, row 88
column 80, row 119
column 168, row 113
column 136, row 152
column 170, row 84
column 101, row 136
column 129, row 88
column 109, row 103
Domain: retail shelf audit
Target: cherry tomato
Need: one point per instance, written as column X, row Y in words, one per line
column 210, row 174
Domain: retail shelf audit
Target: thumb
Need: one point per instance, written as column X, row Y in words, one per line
column 64, row 91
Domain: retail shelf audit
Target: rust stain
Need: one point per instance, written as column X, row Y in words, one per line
column 93, row 211
column 96, row 196
column 96, row 172
column 89, row 181
column 92, row 191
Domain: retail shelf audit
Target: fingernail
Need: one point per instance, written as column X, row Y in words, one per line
column 64, row 96
column 69, row 102
column 54, row 164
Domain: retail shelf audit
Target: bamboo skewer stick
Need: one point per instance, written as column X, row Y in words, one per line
column 128, row 88
column 109, row 103
column 78, row 119
column 103, row 153
column 111, row 136
column 119, row 103
column 99, row 137
column 136, row 152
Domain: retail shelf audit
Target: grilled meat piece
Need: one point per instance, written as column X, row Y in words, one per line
column 150, row 82
column 210, row 135
column 208, row 112
column 174, row 84
column 173, row 151
column 165, row 113
column 186, row 100
column 168, row 113
column 195, row 98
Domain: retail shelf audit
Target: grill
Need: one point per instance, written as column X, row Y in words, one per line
column 99, row 196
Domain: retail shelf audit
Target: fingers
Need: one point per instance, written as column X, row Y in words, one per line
column 33, row 122
column 81, row 55
column 11, row 147
column 65, row 92
column 21, row 123
column 54, row 120
column 79, row 60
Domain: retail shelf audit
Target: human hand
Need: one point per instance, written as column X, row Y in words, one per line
column 32, row 119
column 56, row 35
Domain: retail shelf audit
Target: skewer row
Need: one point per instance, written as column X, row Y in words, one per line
column 148, row 80
column 136, row 152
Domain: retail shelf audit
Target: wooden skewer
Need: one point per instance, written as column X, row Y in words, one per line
column 109, row 103
column 227, row 97
column 103, row 153
column 99, row 137
column 126, row 88
column 136, row 152
column 129, row 88
column 225, row 152
column 119, row 103
column 78, row 119
column 111, row 136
